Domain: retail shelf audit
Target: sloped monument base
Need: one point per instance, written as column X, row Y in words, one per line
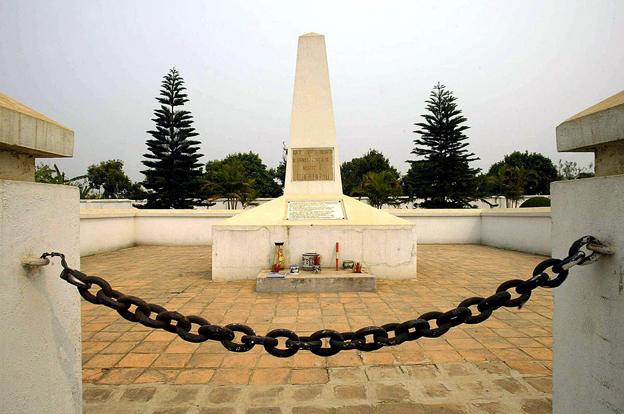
column 244, row 245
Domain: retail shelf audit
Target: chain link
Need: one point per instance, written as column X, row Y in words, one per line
column 284, row 343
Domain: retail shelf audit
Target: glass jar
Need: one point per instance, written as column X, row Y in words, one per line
column 279, row 258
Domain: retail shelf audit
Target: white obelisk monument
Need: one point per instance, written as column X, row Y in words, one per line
column 313, row 165
column 313, row 214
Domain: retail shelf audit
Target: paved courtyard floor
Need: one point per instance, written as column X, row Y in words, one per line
column 500, row 366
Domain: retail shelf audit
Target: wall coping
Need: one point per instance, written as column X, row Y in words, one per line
column 187, row 213
column 106, row 200
column 443, row 212
column 96, row 213
column 517, row 212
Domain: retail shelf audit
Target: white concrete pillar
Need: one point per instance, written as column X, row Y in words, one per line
column 588, row 320
column 40, row 353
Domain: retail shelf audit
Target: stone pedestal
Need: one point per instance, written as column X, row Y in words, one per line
column 588, row 319
column 240, row 251
column 328, row 280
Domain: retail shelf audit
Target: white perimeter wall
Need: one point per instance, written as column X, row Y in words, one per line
column 459, row 226
column 104, row 232
column 523, row 229
column 526, row 229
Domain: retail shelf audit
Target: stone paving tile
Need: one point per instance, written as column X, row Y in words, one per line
column 501, row 365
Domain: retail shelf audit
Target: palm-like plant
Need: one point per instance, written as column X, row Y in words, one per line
column 380, row 188
column 231, row 183
column 248, row 198
column 510, row 182
column 46, row 174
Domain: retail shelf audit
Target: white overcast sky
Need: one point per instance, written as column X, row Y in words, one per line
column 518, row 68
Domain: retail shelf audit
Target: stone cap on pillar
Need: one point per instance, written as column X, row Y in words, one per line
column 598, row 129
column 26, row 131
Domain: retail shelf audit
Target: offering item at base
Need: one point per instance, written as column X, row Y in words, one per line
column 279, row 259
column 308, row 260
column 348, row 264
column 357, row 268
column 337, row 255
column 316, row 269
column 294, row 269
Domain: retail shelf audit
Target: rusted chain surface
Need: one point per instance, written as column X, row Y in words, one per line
column 327, row 342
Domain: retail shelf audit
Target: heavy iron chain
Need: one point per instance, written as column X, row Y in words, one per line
column 329, row 342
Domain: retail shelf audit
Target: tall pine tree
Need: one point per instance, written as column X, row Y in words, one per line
column 173, row 174
column 441, row 174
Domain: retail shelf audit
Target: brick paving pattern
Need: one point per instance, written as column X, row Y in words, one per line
column 500, row 366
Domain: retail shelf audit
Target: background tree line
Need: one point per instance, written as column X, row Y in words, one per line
column 241, row 178
column 440, row 174
column 104, row 180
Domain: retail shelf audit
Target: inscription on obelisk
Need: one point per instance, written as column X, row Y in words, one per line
column 313, row 164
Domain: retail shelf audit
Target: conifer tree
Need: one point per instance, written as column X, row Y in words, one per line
column 173, row 172
column 441, row 174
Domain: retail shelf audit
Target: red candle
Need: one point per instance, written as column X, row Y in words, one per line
column 337, row 254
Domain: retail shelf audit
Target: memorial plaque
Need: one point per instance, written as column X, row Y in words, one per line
column 313, row 164
column 315, row 210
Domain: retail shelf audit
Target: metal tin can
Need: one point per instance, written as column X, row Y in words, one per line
column 347, row 264
column 307, row 261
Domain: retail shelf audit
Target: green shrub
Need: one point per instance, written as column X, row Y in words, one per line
column 536, row 202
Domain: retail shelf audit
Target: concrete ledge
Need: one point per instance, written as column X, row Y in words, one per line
column 188, row 213
column 443, row 212
column 475, row 212
column 106, row 203
column 326, row 281
column 517, row 212
column 94, row 213
column 100, row 213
